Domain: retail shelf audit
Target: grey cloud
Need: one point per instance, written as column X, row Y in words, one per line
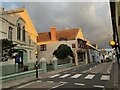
column 92, row 17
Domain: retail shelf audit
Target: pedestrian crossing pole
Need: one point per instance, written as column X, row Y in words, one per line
column 36, row 64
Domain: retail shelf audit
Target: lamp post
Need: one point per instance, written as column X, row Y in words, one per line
column 36, row 64
column 113, row 44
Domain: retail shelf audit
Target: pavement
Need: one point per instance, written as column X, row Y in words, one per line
column 115, row 76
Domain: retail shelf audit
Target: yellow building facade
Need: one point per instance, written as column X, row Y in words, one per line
column 18, row 27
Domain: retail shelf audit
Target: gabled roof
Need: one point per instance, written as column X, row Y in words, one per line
column 12, row 11
column 24, row 15
column 69, row 34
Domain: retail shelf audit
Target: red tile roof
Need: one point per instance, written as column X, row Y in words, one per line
column 69, row 34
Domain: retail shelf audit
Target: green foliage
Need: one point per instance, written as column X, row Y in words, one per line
column 63, row 51
column 8, row 49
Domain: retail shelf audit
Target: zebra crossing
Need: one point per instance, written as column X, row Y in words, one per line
column 64, row 76
column 78, row 75
column 105, row 77
column 89, row 76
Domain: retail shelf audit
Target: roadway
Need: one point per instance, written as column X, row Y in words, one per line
column 93, row 75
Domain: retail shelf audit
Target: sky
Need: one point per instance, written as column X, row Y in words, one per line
column 92, row 17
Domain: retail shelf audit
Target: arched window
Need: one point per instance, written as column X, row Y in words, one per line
column 10, row 33
column 23, row 33
column 29, row 40
column 20, row 26
column 18, row 31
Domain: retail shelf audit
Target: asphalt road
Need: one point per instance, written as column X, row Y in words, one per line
column 89, row 76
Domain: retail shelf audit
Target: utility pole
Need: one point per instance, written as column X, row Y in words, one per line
column 115, row 38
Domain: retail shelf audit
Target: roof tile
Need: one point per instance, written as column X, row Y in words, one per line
column 68, row 34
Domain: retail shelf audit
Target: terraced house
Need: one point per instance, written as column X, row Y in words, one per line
column 18, row 27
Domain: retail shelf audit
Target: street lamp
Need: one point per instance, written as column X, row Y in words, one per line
column 36, row 64
column 112, row 43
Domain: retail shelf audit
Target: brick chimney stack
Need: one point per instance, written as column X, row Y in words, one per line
column 53, row 33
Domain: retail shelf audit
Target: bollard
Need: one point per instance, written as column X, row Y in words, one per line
column 43, row 64
column 54, row 63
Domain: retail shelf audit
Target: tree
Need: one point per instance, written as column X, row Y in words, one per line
column 8, row 49
column 63, row 51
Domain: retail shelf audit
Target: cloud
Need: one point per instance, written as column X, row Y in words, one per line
column 10, row 5
column 92, row 17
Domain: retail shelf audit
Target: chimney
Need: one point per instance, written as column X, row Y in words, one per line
column 53, row 33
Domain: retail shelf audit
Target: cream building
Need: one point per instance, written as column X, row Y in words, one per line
column 48, row 42
column 18, row 27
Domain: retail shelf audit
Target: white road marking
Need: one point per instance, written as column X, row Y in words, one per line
column 108, row 70
column 89, row 76
column 84, row 71
column 81, row 84
column 64, row 76
column 89, row 69
column 58, row 86
column 54, row 76
column 50, row 81
column 25, row 85
column 99, row 86
column 76, row 76
column 105, row 77
column 63, row 82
